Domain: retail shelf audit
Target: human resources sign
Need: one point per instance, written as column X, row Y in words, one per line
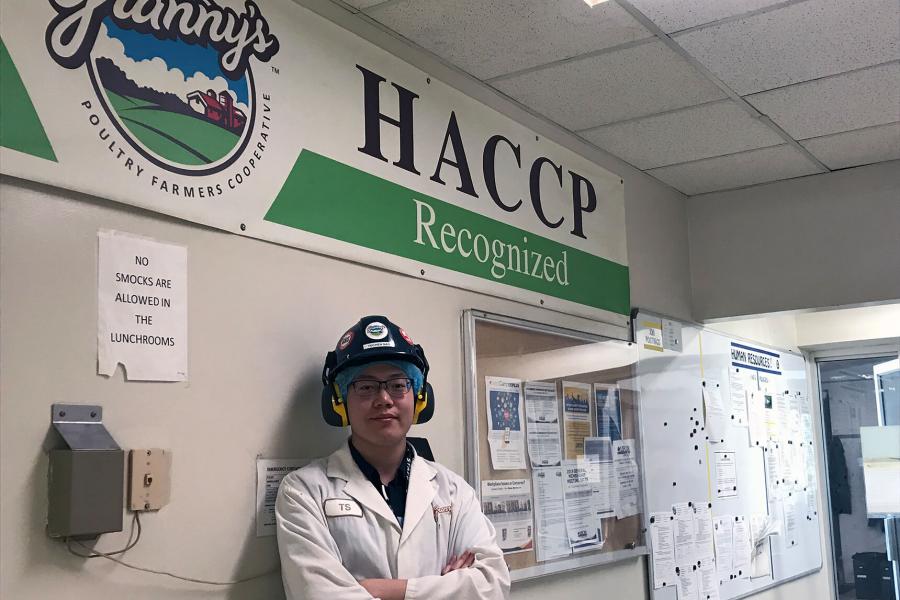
column 267, row 120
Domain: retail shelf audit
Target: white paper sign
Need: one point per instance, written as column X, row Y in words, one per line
column 269, row 473
column 714, row 411
column 738, row 388
column 742, row 547
column 761, row 557
column 551, row 540
column 724, row 540
column 581, row 520
column 507, row 504
column 703, row 531
column 685, row 553
column 142, row 307
column 726, row 474
column 758, row 413
column 627, row 501
column 709, row 580
column 662, row 546
column 542, row 412
column 506, row 423
column 688, row 584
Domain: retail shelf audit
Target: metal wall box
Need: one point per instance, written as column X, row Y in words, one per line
column 86, row 480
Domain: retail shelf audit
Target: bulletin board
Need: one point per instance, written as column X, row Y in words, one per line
column 712, row 460
column 504, row 357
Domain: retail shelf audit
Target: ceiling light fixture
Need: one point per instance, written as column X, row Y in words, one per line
column 594, row 2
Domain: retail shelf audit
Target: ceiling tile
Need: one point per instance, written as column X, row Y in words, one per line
column 797, row 43
column 834, row 104
column 684, row 135
column 675, row 15
column 854, row 148
column 736, row 170
column 487, row 39
column 624, row 84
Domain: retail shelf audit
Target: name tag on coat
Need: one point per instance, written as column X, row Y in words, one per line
column 342, row 507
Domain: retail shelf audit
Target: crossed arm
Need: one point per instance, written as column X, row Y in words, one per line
column 395, row 589
column 312, row 569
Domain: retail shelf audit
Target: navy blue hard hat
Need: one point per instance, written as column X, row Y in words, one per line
column 372, row 339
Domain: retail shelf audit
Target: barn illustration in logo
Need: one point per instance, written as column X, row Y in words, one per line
column 176, row 83
column 170, row 97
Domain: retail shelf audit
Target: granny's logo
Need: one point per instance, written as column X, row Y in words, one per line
column 174, row 76
column 376, row 331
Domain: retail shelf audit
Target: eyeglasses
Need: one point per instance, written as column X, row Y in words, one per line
column 369, row 388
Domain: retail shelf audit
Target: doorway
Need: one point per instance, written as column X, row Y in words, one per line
column 853, row 396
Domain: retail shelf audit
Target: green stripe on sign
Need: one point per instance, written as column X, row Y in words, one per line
column 20, row 127
column 329, row 198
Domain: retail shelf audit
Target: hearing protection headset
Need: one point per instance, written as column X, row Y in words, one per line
column 373, row 339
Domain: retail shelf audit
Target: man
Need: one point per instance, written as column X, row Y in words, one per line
column 374, row 519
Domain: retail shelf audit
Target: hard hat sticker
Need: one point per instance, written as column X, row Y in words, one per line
column 405, row 336
column 345, row 340
column 387, row 344
column 376, row 331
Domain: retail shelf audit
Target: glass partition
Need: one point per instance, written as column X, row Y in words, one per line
column 554, row 443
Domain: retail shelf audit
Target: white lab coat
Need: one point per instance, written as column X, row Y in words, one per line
column 323, row 557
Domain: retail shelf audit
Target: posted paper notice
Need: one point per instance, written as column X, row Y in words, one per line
column 627, row 479
column 507, row 504
column 608, row 409
column 142, row 307
column 576, row 416
column 714, row 411
column 726, row 474
column 542, row 412
column 552, row 540
column 662, row 549
column 269, row 473
column 506, row 435
column 738, row 392
column 723, row 527
column 581, row 520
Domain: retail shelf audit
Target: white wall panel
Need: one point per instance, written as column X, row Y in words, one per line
column 261, row 317
column 821, row 241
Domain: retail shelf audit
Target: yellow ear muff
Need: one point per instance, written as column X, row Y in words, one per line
column 421, row 403
column 339, row 406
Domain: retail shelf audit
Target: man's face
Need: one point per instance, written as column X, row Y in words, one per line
column 381, row 417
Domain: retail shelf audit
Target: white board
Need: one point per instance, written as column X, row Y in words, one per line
column 680, row 460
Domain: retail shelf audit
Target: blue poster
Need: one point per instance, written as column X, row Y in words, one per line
column 608, row 411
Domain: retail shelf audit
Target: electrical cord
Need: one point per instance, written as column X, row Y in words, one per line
column 136, row 523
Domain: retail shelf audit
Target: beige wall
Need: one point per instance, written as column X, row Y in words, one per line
column 850, row 325
column 821, row 241
column 261, row 317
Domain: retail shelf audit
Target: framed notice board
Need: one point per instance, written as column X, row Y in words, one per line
column 553, row 443
column 731, row 471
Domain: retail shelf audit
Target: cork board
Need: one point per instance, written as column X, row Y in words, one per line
column 505, row 350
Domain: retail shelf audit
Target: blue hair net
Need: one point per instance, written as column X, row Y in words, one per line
column 348, row 375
